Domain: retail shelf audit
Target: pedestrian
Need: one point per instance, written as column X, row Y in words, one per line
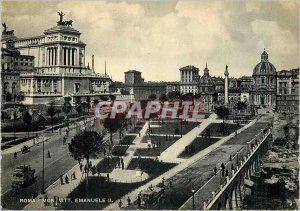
column 85, row 168
column 223, row 169
column 46, row 200
column 215, row 170
column 15, row 155
column 139, row 134
column 67, row 179
column 98, row 171
column 74, row 175
column 235, row 133
column 230, row 158
column 107, row 177
column 120, row 203
column 129, row 201
column 171, row 184
column 61, row 180
column 80, row 166
column 118, row 164
column 139, row 200
column 49, row 154
column 122, row 165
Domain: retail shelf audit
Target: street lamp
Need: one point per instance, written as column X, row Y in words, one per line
column 43, row 182
column 193, row 192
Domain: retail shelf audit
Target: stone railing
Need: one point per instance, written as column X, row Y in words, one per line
column 233, row 174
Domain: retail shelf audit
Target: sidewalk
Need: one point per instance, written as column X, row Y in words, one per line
column 174, row 150
column 61, row 190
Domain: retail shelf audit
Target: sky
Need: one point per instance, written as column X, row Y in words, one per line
column 159, row 37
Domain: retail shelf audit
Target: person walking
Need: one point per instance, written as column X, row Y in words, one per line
column 223, row 169
column 74, row 175
column 80, row 167
column 122, row 165
column 129, row 201
column 49, row 154
column 15, row 155
column 139, row 200
column 215, row 170
column 120, row 203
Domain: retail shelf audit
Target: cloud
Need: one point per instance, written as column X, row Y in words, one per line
column 158, row 38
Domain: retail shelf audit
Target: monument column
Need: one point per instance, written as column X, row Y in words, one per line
column 226, row 85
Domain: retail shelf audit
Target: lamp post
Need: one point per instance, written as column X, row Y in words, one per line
column 43, row 182
column 193, row 192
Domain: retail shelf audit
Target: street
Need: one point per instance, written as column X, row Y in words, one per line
column 59, row 163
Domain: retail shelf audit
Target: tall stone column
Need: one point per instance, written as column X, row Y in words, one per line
column 226, row 85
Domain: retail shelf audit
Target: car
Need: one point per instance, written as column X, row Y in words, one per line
column 25, row 149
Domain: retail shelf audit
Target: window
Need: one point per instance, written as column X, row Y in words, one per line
column 262, row 80
column 77, row 87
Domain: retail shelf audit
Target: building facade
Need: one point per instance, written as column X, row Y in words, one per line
column 287, row 99
column 12, row 65
column 263, row 91
column 189, row 78
column 59, row 67
column 133, row 77
column 206, row 87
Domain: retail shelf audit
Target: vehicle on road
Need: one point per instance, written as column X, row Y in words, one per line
column 25, row 149
column 22, row 176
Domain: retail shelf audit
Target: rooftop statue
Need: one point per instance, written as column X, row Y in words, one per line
column 11, row 32
column 5, row 27
column 61, row 15
column 61, row 22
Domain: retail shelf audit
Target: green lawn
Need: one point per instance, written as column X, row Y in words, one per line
column 164, row 144
column 150, row 166
column 127, row 140
column 97, row 188
column 16, row 142
column 137, row 129
column 6, row 139
column 196, row 146
column 119, row 150
column 215, row 129
column 172, row 127
column 107, row 165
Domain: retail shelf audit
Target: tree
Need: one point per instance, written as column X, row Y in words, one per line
column 58, row 111
column 222, row 112
column 8, row 97
column 112, row 125
column 163, row 98
column 27, row 118
column 103, row 98
column 86, row 145
column 67, row 107
column 241, row 105
column 51, row 113
column 88, row 101
column 152, row 97
column 173, row 95
column 79, row 110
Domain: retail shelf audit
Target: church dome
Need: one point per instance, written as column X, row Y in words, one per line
column 264, row 67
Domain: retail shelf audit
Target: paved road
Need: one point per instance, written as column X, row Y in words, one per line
column 59, row 163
